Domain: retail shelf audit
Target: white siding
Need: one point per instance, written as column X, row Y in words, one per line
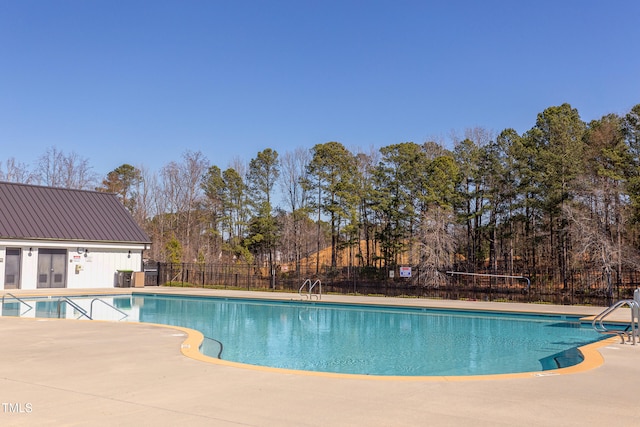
column 89, row 265
column 99, row 268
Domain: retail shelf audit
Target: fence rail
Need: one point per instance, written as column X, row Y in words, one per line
column 579, row 287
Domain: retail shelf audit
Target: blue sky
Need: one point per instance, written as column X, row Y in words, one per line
column 140, row 82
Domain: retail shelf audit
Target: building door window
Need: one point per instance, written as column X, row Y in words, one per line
column 12, row 269
column 52, row 268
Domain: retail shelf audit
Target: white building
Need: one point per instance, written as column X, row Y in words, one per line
column 61, row 238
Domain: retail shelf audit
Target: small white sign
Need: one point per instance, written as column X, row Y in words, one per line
column 405, row 271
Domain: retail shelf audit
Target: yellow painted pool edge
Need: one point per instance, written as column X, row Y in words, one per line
column 191, row 349
column 592, row 359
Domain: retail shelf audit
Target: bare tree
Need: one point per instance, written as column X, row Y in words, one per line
column 182, row 193
column 173, row 190
column 433, row 149
column 160, row 223
column 293, row 172
column 49, row 168
column 16, row 172
column 593, row 244
column 193, row 170
column 239, row 165
column 145, row 195
column 437, row 241
column 77, row 172
column 55, row 169
column 366, row 163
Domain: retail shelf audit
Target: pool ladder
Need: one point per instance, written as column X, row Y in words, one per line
column 631, row 333
column 309, row 294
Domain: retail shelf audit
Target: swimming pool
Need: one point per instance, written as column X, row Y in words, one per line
column 366, row 340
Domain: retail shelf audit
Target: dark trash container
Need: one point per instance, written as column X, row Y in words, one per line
column 124, row 278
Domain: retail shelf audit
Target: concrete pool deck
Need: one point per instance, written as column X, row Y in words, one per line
column 66, row 372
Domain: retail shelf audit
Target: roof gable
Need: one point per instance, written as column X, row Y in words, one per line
column 35, row 212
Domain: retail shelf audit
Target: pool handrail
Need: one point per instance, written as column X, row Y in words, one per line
column 107, row 304
column 219, row 355
column 633, row 335
column 303, row 285
column 82, row 311
column 19, row 299
column 309, row 294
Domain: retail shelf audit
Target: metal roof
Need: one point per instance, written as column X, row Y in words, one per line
column 35, row 212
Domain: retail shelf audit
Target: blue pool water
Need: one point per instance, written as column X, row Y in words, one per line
column 369, row 340
column 373, row 340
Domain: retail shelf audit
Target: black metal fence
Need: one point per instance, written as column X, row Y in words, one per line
column 579, row 287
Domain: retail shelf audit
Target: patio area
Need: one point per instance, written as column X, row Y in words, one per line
column 60, row 372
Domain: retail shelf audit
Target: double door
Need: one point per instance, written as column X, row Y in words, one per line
column 52, row 268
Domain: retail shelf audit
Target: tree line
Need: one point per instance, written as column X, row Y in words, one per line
column 563, row 196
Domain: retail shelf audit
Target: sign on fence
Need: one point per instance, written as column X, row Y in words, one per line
column 405, row 271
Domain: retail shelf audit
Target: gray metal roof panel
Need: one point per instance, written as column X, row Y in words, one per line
column 35, row 212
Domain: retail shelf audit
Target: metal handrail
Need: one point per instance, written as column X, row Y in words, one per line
column 218, row 356
column 309, row 295
column 106, row 303
column 82, row 311
column 632, row 335
column 319, row 295
column 303, row 285
column 19, row 299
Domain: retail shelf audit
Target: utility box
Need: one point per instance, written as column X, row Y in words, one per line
column 138, row 279
column 124, row 278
